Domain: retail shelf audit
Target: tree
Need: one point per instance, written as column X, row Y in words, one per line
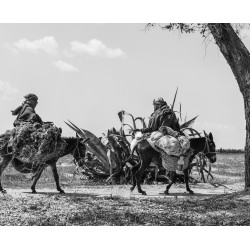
column 238, row 58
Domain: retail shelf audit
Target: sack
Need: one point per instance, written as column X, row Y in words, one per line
column 173, row 146
column 165, row 130
column 177, row 164
column 156, row 135
column 185, row 144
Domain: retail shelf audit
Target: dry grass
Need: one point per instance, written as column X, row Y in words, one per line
column 83, row 209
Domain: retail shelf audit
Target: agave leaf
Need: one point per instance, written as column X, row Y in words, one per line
column 77, row 130
column 180, row 112
column 121, row 117
column 129, row 135
column 98, row 149
column 117, row 143
column 142, row 119
column 96, row 141
column 121, row 131
column 188, row 123
column 144, row 123
column 128, row 126
column 192, row 131
column 172, row 108
column 124, row 140
column 90, row 146
column 94, row 145
column 122, row 113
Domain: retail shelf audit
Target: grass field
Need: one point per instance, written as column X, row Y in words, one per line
column 89, row 209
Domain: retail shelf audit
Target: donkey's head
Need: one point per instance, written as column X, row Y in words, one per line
column 210, row 148
column 79, row 150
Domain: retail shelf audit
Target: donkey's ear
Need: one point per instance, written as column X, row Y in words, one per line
column 210, row 136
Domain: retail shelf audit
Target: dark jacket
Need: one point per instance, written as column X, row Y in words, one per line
column 27, row 114
column 163, row 116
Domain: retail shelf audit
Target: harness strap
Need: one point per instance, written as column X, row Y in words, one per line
column 207, row 145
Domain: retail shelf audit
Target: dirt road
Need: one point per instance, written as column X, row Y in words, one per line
column 200, row 190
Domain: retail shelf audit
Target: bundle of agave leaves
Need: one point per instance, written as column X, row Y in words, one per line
column 107, row 159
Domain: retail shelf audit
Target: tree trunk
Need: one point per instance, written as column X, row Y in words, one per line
column 238, row 57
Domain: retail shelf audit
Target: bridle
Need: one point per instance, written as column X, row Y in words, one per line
column 77, row 147
column 77, row 158
column 208, row 148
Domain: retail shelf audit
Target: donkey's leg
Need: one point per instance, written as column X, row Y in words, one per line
column 3, row 164
column 133, row 170
column 56, row 177
column 37, row 177
column 186, row 177
column 173, row 177
column 139, row 173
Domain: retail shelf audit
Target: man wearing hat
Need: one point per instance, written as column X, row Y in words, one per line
column 162, row 116
column 26, row 112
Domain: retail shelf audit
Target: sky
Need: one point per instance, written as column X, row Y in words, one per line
column 88, row 72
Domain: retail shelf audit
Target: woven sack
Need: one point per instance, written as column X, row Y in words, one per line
column 156, row 135
column 169, row 145
column 173, row 146
column 185, row 144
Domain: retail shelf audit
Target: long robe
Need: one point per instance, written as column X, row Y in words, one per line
column 163, row 116
column 27, row 114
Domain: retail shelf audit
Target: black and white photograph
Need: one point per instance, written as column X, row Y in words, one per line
column 119, row 123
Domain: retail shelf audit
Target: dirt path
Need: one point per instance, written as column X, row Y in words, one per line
column 200, row 190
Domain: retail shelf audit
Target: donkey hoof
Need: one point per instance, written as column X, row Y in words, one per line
column 34, row 191
column 61, row 191
column 143, row 193
column 3, row 191
column 191, row 192
column 166, row 192
column 132, row 189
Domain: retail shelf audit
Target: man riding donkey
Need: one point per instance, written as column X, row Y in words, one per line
column 33, row 140
column 162, row 116
column 164, row 135
column 26, row 112
column 32, row 144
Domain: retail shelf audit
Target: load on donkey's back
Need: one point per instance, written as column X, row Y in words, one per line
column 32, row 140
column 164, row 135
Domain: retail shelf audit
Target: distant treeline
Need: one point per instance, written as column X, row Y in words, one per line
column 230, row 151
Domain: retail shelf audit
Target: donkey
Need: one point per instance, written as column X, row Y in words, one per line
column 74, row 146
column 147, row 155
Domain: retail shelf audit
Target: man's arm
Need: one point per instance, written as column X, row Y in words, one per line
column 29, row 115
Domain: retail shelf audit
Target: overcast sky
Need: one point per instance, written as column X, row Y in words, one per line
column 88, row 72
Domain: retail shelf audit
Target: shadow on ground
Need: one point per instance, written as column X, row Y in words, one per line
column 65, row 194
